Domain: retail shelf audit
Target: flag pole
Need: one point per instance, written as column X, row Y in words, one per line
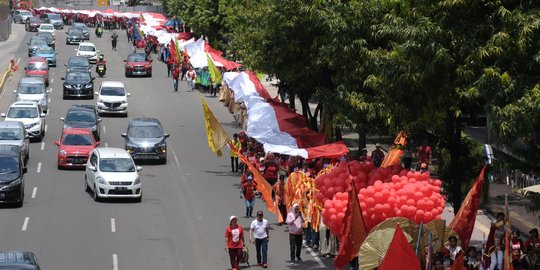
column 419, row 238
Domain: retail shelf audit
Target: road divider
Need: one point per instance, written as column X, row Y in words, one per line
column 104, row 129
column 25, row 224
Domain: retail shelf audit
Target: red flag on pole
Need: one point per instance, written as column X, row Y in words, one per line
column 354, row 231
column 463, row 222
column 400, row 255
column 172, row 50
column 459, row 263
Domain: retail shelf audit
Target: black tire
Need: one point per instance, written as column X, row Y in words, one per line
column 138, row 200
column 86, row 186
column 95, row 195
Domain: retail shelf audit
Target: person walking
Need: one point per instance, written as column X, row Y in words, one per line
column 169, row 62
column 248, row 190
column 234, row 158
column 175, row 76
column 259, row 235
column 234, row 242
column 279, row 189
column 114, row 40
column 377, row 155
column 191, row 75
column 295, row 221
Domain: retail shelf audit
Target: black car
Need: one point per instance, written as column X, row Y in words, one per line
column 12, row 172
column 78, row 84
column 35, row 43
column 84, row 29
column 83, row 116
column 145, row 140
column 77, row 63
column 48, row 37
column 18, row 260
column 32, row 24
column 74, row 36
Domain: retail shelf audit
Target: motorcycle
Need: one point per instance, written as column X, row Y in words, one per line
column 99, row 32
column 100, row 69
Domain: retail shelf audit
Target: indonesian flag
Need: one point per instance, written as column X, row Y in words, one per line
column 279, row 128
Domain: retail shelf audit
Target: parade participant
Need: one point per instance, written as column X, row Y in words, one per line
column 234, row 158
column 270, row 172
column 516, row 247
column 438, row 265
column 191, row 75
column 279, row 191
column 261, row 165
column 424, row 153
column 259, row 235
column 175, row 76
column 114, row 40
column 377, row 155
column 470, row 259
column 529, row 260
column 99, row 31
column 364, row 156
column 533, row 240
column 453, row 247
column 169, row 62
column 248, row 190
column 234, row 241
column 328, row 241
column 295, row 221
column 283, row 166
column 185, row 66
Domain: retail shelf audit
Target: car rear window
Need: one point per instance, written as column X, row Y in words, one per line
column 36, row 66
column 11, row 134
column 77, row 139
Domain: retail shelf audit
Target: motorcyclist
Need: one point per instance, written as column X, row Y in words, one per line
column 114, row 39
column 101, row 61
column 99, row 30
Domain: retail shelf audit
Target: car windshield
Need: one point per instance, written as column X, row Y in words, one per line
column 35, row 20
column 31, row 88
column 22, row 112
column 145, row 132
column 9, row 165
column 54, row 16
column 86, row 48
column 136, row 58
column 36, row 66
column 43, row 50
column 46, row 27
column 80, row 26
column 78, row 77
column 46, row 35
column 26, row 13
column 75, row 32
column 11, row 134
column 116, row 165
column 113, row 91
column 77, row 139
column 38, row 42
column 80, row 116
column 78, row 62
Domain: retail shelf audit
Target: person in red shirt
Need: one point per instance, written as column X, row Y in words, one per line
column 169, row 62
column 175, row 75
column 271, row 170
column 516, row 249
column 533, row 240
column 424, row 154
column 234, row 242
column 248, row 190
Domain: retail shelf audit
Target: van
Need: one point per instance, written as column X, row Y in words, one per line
column 12, row 170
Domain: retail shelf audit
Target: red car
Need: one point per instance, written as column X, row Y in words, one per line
column 138, row 64
column 37, row 67
column 75, row 145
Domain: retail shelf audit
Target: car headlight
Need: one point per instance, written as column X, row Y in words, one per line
column 137, row 181
column 31, row 125
column 100, row 100
column 100, row 180
column 94, row 128
column 67, row 86
column 162, row 147
column 88, row 86
column 124, row 101
column 63, row 152
column 12, row 184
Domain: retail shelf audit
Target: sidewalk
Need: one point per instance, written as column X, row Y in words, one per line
column 9, row 47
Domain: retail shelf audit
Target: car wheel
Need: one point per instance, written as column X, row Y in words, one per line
column 86, row 186
column 95, row 195
column 21, row 202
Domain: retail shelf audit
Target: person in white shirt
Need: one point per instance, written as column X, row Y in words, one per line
column 258, row 234
column 453, row 247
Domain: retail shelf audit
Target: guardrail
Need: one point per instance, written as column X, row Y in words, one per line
column 13, row 66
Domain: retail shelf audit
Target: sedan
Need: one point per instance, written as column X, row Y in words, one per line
column 84, row 30
column 111, row 173
column 47, row 53
column 145, row 140
column 37, row 67
column 138, row 64
column 77, row 63
column 20, row 16
column 83, row 116
column 78, row 84
column 34, row 44
column 32, row 24
column 74, row 147
column 33, row 89
column 88, row 50
column 14, row 133
column 74, row 36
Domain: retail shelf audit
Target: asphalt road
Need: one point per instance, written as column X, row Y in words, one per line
column 186, row 203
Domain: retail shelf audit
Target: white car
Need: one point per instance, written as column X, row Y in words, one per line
column 30, row 114
column 46, row 27
column 112, row 173
column 33, row 89
column 112, row 98
column 88, row 50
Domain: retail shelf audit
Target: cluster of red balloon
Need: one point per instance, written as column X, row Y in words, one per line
column 382, row 193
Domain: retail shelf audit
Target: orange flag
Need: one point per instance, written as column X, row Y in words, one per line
column 400, row 255
column 262, row 185
column 459, row 263
column 354, row 231
column 463, row 222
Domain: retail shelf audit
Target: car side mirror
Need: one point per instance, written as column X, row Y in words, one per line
column 3, row 115
column 123, row 135
column 57, row 143
column 92, row 168
column 125, row 60
column 99, row 120
column 76, row 50
column 62, row 78
column 139, row 168
column 48, row 91
column 65, row 65
column 62, row 119
column 166, row 135
column 24, row 68
column 128, row 94
column 42, row 115
column 98, row 143
column 25, row 169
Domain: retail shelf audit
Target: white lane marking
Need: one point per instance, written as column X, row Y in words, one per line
column 317, row 259
column 25, row 223
column 34, row 193
column 48, row 111
column 178, row 164
column 42, row 146
column 106, row 144
column 49, row 100
column 45, row 128
column 51, row 89
column 115, row 262
column 52, row 80
column 113, row 225
column 104, row 129
column 39, row 167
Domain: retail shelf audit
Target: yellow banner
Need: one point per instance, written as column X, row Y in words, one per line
column 217, row 137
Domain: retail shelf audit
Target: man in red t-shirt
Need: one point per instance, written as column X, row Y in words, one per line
column 533, row 241
column 248, row 190
column 175, row 75
column 424, row 154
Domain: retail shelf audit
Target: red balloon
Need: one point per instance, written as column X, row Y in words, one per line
column 332, row 211
column 370, row 202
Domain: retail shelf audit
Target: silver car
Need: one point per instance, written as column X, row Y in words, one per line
column 20, row 15
column 33, row 89
column 14, row 133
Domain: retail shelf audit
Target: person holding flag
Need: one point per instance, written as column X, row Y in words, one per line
column 175, row 76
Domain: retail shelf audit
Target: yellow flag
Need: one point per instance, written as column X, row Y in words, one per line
column 213, row 70
column 217, row 137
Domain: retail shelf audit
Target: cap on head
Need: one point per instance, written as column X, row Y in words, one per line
column 232, row 217
column 260, row 213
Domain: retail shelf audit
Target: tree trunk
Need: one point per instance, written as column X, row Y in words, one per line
column 455, row 150
column 292, row 99
column 313, row 121
column 362, row 140
column 305, row 107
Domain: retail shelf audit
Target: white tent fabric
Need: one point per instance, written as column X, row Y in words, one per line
column 197, row 55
